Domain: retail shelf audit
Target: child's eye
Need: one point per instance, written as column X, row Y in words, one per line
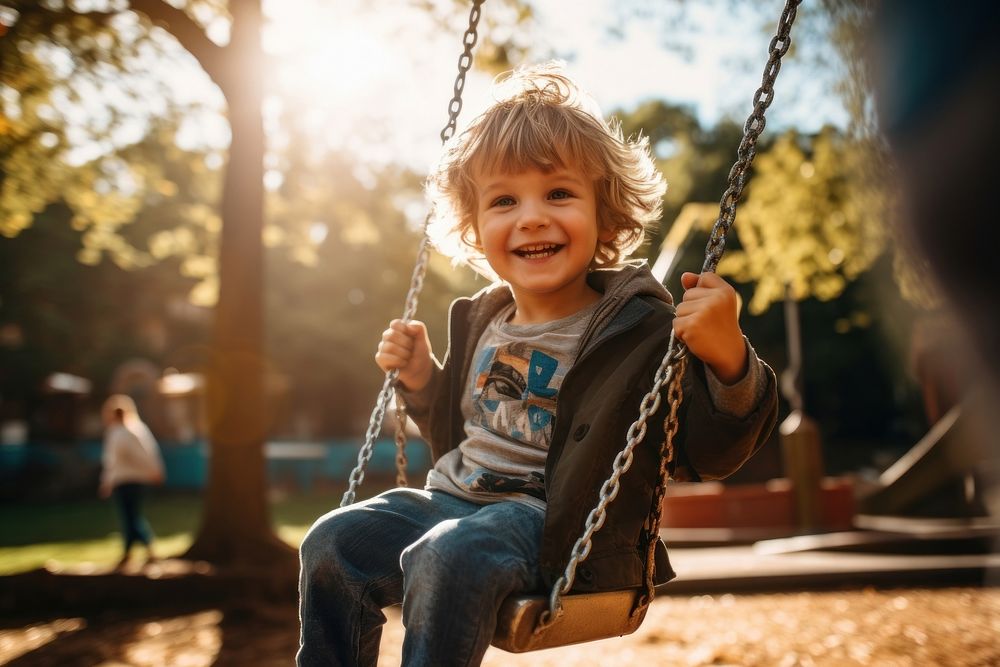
column 560, row 194
column 505, row 200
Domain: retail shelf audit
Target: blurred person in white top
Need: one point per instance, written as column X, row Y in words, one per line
column 131, row 461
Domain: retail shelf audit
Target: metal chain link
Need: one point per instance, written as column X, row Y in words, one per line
column 751, row 132
column 671, row 424
column 357, row 476
column 671, row 369
column 400, row 441
column 469, row 40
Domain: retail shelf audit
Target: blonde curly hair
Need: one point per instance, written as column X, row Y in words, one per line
column 543, row 120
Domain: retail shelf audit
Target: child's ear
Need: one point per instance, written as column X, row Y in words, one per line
column 605, row 235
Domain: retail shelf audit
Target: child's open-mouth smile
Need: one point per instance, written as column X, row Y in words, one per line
column 538, row 250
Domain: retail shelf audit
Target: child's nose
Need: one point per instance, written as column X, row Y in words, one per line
column 532, row 217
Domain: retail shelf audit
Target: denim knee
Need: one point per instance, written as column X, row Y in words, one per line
column 441, row 550
column 319, row 553
column 447, row 553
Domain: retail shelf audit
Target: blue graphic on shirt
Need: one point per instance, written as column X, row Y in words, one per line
column 514, row 392
column 543, row 367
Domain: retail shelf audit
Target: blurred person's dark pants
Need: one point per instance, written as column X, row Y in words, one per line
column 128, row 498
column 936, row 72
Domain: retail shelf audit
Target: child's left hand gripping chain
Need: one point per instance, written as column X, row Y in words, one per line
column 708, row 322
column 406, row 347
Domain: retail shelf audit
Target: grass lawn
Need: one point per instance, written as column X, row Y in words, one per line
column 86, row 531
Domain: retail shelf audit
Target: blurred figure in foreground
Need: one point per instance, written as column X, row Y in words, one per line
column 936, row 71
column 936, row 68
column 130, row 462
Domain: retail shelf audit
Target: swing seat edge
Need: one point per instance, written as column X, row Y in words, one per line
column 586, row 617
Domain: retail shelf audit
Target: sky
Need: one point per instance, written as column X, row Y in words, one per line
column 710, row 78
column 378, row 83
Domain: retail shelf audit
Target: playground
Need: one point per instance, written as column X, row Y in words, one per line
column 748, row 419
column 768, row 603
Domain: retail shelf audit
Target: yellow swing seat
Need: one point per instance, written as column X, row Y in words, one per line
column 586, row 617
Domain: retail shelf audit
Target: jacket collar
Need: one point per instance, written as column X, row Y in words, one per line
column 619, row 285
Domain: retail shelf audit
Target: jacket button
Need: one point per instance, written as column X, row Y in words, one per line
column 580, row 432
column 585, row 574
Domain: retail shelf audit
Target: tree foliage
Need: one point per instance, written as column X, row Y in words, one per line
column 694, row 159
column 829, row 39
column 345, row 240
column 92, row 138
column 72, row 80
column 811, row 222
column 60, row 315
column 87, row 121
column 816, row 212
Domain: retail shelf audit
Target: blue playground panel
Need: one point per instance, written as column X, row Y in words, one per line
column 187, row 464
column 334, row 460
column 12, row 460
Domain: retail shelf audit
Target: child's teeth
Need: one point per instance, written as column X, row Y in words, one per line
column 538, row 251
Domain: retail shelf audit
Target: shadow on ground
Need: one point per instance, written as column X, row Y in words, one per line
column 260, row 637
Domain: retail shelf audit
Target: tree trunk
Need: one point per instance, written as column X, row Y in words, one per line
column 236, row 526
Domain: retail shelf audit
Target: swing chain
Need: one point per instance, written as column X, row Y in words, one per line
column 751, row 132
column 374, row 426
column 400, row 441
column 671, row 424
column 377, row 417
column 469, row 40
column 389, row 387
column 669, row 372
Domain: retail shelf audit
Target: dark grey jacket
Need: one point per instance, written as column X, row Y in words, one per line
column 598, row 401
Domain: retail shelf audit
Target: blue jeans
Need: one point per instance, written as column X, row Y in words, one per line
column 128, row 497
column 449, row 562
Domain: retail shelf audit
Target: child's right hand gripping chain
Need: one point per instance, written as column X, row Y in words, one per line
column 406, row 347
column 707, row 321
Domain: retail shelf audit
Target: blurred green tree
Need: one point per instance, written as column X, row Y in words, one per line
column 106, row 43
column 352, row 234
column 60, row 315
column 694, row 160
column 812, row 221
column 55, row 59
column 829, row 40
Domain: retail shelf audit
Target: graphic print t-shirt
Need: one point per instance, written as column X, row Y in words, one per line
column 509, row 406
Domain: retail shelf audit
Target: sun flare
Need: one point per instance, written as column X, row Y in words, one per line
column 334, row 64
column 360, row 78
column 328, row 56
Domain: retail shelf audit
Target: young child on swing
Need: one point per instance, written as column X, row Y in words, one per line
column 543, row 377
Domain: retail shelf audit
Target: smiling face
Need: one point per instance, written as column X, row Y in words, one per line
column 539, row 232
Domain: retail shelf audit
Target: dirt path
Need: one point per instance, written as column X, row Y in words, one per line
column 912, row 627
